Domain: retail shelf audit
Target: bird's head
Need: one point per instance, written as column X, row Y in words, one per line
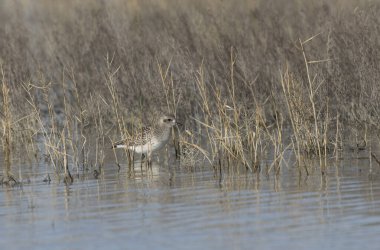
column 168, row 120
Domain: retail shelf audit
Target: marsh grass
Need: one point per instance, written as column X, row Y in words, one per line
column 250, row 82
column 6, row 122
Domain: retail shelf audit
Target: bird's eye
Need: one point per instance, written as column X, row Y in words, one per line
column 168, row 120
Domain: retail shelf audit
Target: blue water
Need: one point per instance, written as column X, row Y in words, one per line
column 172, row 208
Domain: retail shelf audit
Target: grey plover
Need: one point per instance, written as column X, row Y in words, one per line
column 149, row 139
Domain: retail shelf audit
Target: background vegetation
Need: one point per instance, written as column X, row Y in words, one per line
column 236, row 73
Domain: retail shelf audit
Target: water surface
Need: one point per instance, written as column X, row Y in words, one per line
column 173, row 208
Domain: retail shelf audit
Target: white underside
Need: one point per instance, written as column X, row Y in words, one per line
column 150, row 147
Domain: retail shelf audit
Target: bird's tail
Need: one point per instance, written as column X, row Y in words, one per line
column 119, row 145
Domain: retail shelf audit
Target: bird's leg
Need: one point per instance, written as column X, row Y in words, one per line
column 149, row 160
column 141, row 162
column 149, row 156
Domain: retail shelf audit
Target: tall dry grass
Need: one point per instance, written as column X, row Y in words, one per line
column 249, row 80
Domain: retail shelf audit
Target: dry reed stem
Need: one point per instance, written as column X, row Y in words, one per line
column 67, row 179
column 6, row 122
column 311, row 97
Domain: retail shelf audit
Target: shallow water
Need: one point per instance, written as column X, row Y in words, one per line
column 173, row 208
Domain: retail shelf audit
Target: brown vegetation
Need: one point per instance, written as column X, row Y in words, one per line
column 246, row 78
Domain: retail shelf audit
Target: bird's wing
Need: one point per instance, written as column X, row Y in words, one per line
column 141, row 137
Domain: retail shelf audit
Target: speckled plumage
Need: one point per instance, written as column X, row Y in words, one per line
column 149, row 139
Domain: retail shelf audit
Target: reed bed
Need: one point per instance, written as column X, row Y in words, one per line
column 252, row 83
